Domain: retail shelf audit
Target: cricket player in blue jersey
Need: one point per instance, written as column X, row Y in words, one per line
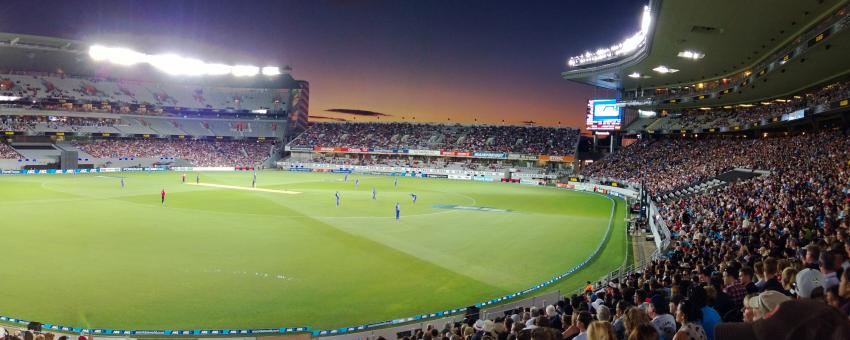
column 413, row 196
column 337, row 198
column 374, row 193
column 397, row 211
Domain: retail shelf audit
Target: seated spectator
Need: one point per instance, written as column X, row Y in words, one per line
column 799, row 320
column 689, row 316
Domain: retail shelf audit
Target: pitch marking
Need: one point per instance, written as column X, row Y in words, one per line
column 222, row 186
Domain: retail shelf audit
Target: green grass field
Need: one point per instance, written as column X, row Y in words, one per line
column 79, row 250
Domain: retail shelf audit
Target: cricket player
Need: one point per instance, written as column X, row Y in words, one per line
column 163, row 197
column 374, row 193
column 197, row 178
column 413, row 196
column 397, row 211
column 254, row 181
column 337, row 198
column 357, row 183
column 395, row 184
column 122, row 182
column 184, row 178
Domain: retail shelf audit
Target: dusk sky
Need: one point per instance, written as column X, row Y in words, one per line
column 464, row 60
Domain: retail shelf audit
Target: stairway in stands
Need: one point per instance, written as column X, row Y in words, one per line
column 737, row 174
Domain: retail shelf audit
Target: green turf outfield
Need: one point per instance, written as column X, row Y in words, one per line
column 79, row 250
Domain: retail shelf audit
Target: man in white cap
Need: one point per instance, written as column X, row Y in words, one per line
column 809, row 281
column 758, row 306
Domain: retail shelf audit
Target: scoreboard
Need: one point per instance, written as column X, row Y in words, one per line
column 604, row 115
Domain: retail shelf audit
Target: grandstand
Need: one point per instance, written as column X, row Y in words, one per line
column 53, row 91
column 738, row 137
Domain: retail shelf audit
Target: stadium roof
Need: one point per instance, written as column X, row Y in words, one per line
column 21, row 52
column 728, row 39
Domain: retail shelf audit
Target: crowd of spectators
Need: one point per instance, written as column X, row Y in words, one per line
column 62, row 123
column 502, row 138
column 196, row 152
column 7, row 152
column 743, row 115
column 664, row 165
column 764, row 258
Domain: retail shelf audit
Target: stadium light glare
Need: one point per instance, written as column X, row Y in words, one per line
column 174, row 64
column 218, row 69
column 117, row 55
column 664, row 69
column 626, row 47
column 634, row 75
column 245, row 71
column 177, row 65
column 271, row 71
column 693, row 55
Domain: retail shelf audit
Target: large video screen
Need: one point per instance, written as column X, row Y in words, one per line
column 604, row 115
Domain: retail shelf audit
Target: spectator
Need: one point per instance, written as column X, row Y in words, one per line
column 689, row 316
column 798, row 320
column 644, row 332
column 600, row 330
column 663, row 322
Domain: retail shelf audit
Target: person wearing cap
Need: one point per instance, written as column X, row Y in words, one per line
column 809, row 282
column 478, row 326
column 757, row 306
column 663, row 322
column 795, row 319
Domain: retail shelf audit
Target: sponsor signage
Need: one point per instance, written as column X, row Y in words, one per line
column 487, row 154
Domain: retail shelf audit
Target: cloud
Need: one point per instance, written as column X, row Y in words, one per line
column 355, row 112
column 329, row 118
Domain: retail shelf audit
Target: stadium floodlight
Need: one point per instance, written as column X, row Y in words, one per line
column 245, row 71
column 634, row 75
column 174, row 64
column 624, row 48
column 218, row 69
column 664, row 69
column 271, row 71
column 693, row 55
column 117, row 55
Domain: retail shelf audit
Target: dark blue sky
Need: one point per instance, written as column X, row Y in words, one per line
column 464, row 60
